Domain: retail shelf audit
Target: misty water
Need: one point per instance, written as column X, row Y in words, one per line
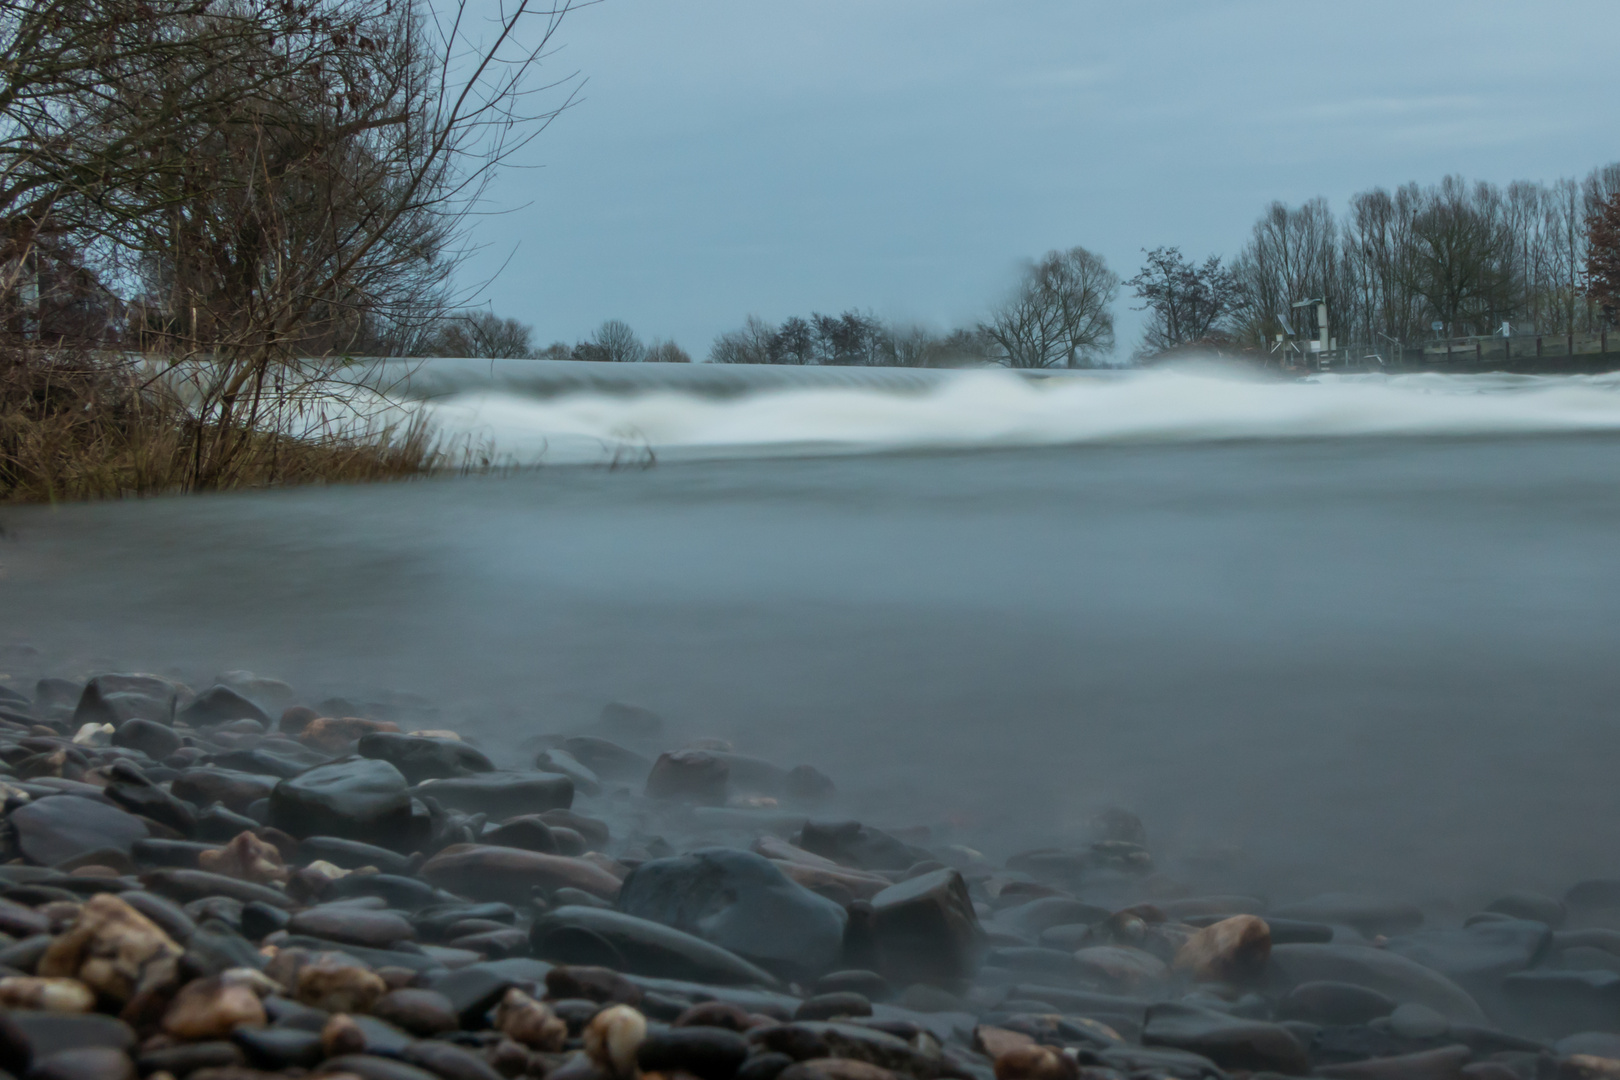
column 1356, row 634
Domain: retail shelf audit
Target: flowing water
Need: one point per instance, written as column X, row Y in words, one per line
column 1352, row 633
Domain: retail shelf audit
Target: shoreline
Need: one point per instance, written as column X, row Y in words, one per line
column 195, row 887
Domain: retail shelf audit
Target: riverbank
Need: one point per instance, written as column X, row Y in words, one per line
column 201, row 885
column 80, row 427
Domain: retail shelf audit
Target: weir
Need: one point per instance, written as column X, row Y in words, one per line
column 439, row 377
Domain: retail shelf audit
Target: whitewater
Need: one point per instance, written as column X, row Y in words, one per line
column 531, row 413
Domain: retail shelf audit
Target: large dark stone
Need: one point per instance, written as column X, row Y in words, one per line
column 62, row 827
column 373, row 1067
column 1531, row 905
column 157, row 741
column 743, row 903
column 355, row 799
column 1394, row 976
column 220, row 705
column 608, row 759
column 189, row 1057
column 474, row 990
column 220, row 825
column 449, row 1062
column 83, row 1063
column 583, row 935
column 501, row 794
column 352, row 925
column 422, row 757
column 1228, row 1041
column 280, row 1047
column 216, row 948
column 528, row 833
column 709, row 1053
column 510, row 875
column 925, row 930
column 850, row 843
column 694, row 776
column 189, row 885
column 235, row 790
column 1559, row 1003
column 156, row 804
column 352, row 854
column 99, row 704
column 181, row 854
column 423, row 1013
column 39, row 1034
column 1477, row 957
column 265, row 762
column 557, row 760
column 398, row 891
column 1333, row 1004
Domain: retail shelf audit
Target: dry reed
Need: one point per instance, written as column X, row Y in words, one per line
column 74, row 426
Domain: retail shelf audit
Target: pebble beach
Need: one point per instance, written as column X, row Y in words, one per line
column 199, row 882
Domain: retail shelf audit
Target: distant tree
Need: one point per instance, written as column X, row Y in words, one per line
column 1603, row 258
column 1462, row 251
column 793, row 343
column 1060, row 314
column 749, row 345
column 613, row 342
column 849, row 339
column 667, row 352
column 557, row 350
column 1185, row 300
column 482, row 334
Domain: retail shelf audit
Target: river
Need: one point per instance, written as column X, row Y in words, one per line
column 1355, row 634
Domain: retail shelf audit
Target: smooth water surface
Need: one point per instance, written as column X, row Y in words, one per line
column 1370, row 663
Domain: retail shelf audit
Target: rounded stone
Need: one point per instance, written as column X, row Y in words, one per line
column 1415, row 1021
column 354, row 800
column 424, row 1013
column 829, row 1006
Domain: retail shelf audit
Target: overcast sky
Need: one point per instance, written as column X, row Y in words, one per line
column 730, row 157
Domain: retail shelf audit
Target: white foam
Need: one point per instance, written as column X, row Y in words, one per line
column 999, row 409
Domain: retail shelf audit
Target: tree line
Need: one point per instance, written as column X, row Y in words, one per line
column 1539, row 257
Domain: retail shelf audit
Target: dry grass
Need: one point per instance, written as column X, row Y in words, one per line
column 74, row 427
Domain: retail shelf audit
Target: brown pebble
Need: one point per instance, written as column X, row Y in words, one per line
column 521, row 1018
column 720, row 1014
column 342, row 1035
column 113, row 949
column 212, row 1009
column 1035, row 1063
column 326, row 982
column 592, row 983
column 1234, row 950
column 509, row 1058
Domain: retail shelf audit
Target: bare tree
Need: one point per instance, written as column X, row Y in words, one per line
column 482, row 334
column 749, row 345
column 1059, row 316
column 667, row 352
column 1186, row 300
column 613, row 342
column 1293, row 254
column 275, row 181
